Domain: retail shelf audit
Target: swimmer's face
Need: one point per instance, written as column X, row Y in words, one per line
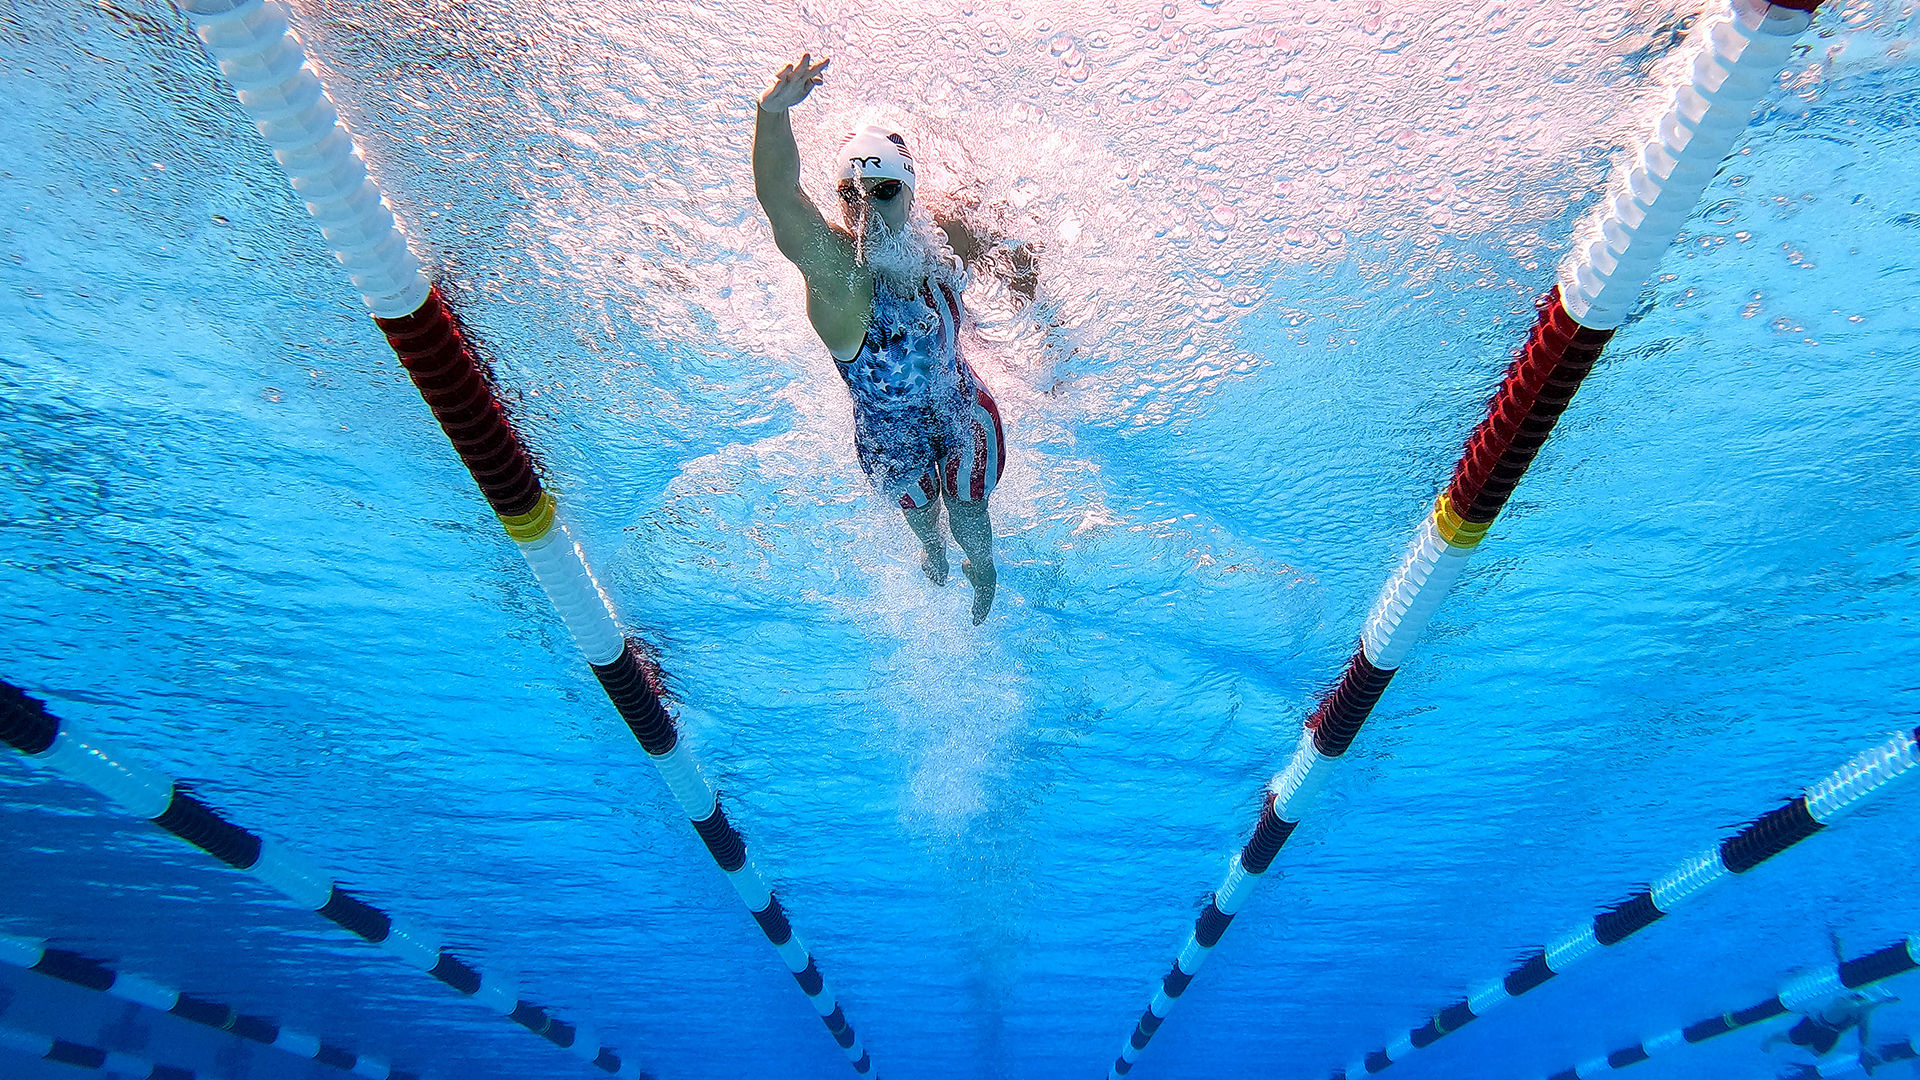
column 883, row 202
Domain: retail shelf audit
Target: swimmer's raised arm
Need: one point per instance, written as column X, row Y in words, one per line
column 838, row 296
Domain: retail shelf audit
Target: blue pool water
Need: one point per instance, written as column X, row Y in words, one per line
column 1286, row 252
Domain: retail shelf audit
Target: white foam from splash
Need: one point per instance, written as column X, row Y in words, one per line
column 947, row 693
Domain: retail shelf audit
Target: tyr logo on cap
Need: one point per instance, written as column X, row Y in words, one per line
column 877, row 154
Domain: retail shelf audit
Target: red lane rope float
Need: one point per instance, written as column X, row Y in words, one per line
column 87, row 973
column 81, row 756
column 1734, row 53
column 1803, row 995
column 1558, row 356
column 1761, row 839
column 435, row 354
column 267, row 67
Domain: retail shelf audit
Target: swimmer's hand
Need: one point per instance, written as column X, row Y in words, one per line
column 793, row 84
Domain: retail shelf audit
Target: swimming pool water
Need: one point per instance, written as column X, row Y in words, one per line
column 1285, row 255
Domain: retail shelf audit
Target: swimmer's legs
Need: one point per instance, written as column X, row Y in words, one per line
column 925, row 523
column 973, row 531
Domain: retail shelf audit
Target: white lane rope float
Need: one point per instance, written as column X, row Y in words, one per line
column 1735, row 52
column 1804, row 995
column 70, row 750
column 266, row 64
column 1869, row 773
column 1850, row 1065
column 33, row 954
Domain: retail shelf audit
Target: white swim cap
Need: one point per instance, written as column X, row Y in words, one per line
column 876, row 153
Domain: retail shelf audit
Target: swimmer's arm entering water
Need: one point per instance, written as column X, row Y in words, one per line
column 839, row 292
column 1018, row 266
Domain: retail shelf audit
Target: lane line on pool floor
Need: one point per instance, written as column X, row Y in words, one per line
column 1802, row 995
column 34, row 954
column 70, row 750
column 267, row 67
column 1736, row 52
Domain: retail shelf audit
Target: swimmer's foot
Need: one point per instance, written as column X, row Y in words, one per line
column 985, row 581
column 935, row 563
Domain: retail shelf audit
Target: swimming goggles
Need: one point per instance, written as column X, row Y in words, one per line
column 884, row 191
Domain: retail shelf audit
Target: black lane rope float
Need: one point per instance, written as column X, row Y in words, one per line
column 77, row 970
column 1736, row 52
column 266, row 65
column 1803, row 995
column 79, row 755
column 1763, row 838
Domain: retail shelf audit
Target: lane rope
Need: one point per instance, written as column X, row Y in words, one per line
column 33, row 1044
column 70, row 750
column 1885, row 1054
column 1869, row 773
column 1802, row 995
column 268, row 69
column 70, row 967
column 1736, row 51
column 33, row 954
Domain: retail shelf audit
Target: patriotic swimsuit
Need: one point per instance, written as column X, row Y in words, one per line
column 921, row 419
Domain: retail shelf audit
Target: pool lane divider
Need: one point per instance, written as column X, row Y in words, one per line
column 1804, row 995
column 77, row 970
column 1736, row 52
column 70, row 750
column 1884, row 1054
column 267, row 67
column 1869, row 773
column 443, row 368
column 34, row 1044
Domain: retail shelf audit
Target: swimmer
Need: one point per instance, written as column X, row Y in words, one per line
column 1820, row 1027
column 883, row 294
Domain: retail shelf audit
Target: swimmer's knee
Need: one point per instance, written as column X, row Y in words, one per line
column 961, row 504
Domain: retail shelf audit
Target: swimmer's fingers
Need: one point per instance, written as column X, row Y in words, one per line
column 808, row 72
column 793, row 84
column 810, row 76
